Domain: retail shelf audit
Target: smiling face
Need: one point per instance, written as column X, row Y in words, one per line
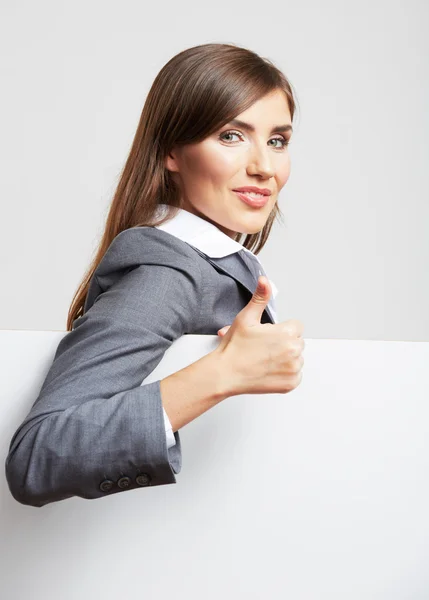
column 235, row 157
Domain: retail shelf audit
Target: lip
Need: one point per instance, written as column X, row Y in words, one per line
column 252, row 188
column 255, row 202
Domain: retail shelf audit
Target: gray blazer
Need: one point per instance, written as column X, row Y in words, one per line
column 94, row 430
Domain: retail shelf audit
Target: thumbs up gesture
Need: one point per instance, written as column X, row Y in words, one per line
column 261, row 358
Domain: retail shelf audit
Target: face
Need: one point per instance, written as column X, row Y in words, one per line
column 235, row 157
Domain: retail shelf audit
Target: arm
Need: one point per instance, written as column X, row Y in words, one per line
column 93, row 420
column 190, row 392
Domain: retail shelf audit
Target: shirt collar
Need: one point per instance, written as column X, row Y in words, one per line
column 203, row 235
column 200, row 233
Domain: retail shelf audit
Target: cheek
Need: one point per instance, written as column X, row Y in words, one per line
column 211, row 164
column 283, row 172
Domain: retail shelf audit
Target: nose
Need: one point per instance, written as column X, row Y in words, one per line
column 259, row 162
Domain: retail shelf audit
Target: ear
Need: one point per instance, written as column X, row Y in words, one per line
column 171, row 163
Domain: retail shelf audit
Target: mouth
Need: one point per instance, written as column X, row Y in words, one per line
column 253, row 199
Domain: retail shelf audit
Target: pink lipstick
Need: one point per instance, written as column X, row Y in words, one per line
column 255, row 201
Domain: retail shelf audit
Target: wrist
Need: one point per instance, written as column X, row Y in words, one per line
column 225, row 378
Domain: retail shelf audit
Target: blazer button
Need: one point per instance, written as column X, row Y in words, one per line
column 143, row 479
column 106, row 485
column 124, row 482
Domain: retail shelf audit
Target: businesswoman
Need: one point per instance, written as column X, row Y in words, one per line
column 194, row 205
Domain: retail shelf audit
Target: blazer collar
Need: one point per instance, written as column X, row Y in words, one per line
column 217, row 248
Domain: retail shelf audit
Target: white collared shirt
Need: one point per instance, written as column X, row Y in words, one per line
column 206, row 237
column 213, row 242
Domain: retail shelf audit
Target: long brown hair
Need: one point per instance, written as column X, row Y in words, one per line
column 195, row 93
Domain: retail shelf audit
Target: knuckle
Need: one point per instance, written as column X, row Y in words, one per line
column 295, row 365
column 293, row 382
column 293, row 347
column 298, row 379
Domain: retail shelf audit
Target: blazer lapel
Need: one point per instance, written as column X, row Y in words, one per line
column 234, row 266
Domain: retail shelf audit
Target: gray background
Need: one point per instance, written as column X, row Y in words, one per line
column 351, row 257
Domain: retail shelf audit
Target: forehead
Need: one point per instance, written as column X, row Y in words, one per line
column 272, row 107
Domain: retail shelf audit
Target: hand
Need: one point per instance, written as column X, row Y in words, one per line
column 261, row 358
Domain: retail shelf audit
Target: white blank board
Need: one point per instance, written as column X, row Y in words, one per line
column 319, row 494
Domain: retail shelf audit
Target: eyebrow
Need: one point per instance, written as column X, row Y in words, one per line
column 249, row 127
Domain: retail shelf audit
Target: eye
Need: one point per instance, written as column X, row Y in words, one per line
column 283, row 141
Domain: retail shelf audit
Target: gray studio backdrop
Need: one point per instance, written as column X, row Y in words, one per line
column 351, row 257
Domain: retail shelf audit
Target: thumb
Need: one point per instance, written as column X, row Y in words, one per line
column 252, row 313
column 223, row 330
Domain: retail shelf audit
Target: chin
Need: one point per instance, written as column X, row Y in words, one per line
column 248, row 231
column 255, row 226
column 253, row 231
column 244, row 227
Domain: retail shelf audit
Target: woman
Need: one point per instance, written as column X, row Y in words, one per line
column 172, row 261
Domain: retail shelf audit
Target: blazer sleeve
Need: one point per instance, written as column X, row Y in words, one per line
column 94, row 429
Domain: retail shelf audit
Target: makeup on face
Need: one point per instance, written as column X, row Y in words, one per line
column 234, row 176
